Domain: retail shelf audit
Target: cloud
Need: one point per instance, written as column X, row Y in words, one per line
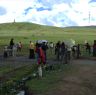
column 42, row 9
column 50, row 2
column 27, row 10
column 91, row 1
column 59, row 13
column 2, row 11
column 37, row 9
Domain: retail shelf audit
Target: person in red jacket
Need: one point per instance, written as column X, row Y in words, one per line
column 40, row 54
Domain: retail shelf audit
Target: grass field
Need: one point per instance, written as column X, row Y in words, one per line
column 70, row 76
column 25, row 32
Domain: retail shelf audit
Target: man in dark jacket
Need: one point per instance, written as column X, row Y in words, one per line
column 11, row 46
column 11, row 43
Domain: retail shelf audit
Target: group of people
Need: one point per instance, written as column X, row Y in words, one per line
column 91, row 48
column 12, row 48
column 12, row 45
column 60, row 49
column 38, row 51
column 64, row 52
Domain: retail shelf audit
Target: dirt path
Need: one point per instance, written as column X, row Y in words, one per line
column 84, row 61
column 82, row 81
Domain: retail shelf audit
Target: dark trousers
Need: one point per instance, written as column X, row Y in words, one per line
column 31, row 54
column 5, row 54
column 94, row 52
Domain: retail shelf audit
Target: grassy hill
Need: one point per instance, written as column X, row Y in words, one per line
column 28, row 31
column 69, row 79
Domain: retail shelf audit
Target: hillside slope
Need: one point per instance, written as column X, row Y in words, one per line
column 31, row 27
column 29, row 31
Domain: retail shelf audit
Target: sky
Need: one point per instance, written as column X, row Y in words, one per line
column 60, row 13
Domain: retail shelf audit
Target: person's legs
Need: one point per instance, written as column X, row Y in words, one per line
column 30, row 53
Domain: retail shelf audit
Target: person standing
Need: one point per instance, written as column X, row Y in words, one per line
column 31, row 51
column 40, row 58
column 11, row 44
column 62, row 52
column 51, row 46
column 88, row 48
column 44, row 48
column 94, row 48
column 19, row 46
column 57, row 50
column 78, row 51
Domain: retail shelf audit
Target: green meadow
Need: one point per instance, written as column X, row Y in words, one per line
column 25, row 32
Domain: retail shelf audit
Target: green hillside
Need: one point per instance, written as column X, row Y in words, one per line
column 76, row 78
column 27, row 31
